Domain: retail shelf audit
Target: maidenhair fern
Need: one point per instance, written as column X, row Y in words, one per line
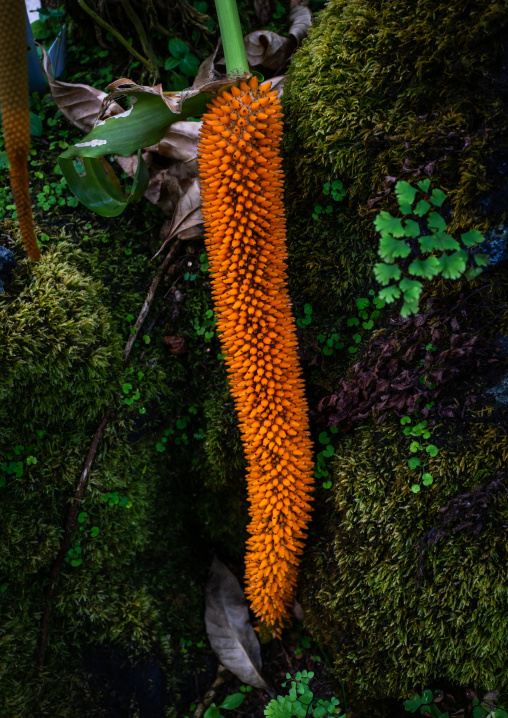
column 300, row 701
column 419, row 246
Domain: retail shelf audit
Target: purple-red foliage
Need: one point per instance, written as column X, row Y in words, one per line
column 410, row 364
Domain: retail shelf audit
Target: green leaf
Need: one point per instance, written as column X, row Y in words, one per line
column 427, row 479
column 368, row 325
column 95, row 531
column 212, row 712
column 474, row 236
column 353, row 322
column 389, row 294
column 99, row 189
column 446, row 241
column 387, row 224
column 35, row 125
column 414, row 447
column 171, row 63
column 424, row 185
column 429, row 243
column 411, row 288
column 437, row 197
column 126, row 388
column 413, row 462
column 385, row 273
column 390, row 248
column 323, row 438
column 177, row 48
column 415, row 488
column 143, row 124
column 421, row 208
column 189, row 65
column 432, row 450
column 362, row 303
column 233, row 701
column 436, row 222
column 405, row 195
column 411, row 228
column 427, row 696
column 482, row 260
column 405, row 420
column 453, row 265
column 472, row 273
column 426, row 268
column 307, row 308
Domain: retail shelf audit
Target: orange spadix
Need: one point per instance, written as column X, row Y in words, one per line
column 242, row 186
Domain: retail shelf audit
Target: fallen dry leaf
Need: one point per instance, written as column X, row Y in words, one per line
column 187, row 221
column 229, row 631
column 180, row 142
column 266, row 50
column 81, row 104
column 300, row 20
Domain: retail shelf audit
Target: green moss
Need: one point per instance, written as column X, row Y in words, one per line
column 61, row 348
column 387, row 636
column 377, row 89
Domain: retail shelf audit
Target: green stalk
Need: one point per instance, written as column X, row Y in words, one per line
column 232, row 37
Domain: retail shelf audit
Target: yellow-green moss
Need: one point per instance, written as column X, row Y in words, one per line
column 388, row 637
column 376, row 83
column 61, row 366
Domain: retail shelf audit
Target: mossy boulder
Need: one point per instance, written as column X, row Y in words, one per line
column 126, row 582
column 391, row 632
column 382, row 91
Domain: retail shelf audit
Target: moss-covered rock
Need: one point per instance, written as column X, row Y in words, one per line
column 382, row 90
column 127, row 582
column 388, row 636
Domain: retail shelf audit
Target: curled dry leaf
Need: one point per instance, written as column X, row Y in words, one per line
column 266, row 50
column 228, row 628
column 300, row 20
column 187, row 221
column 180, row 142
column 81, row 104
column 173, row 100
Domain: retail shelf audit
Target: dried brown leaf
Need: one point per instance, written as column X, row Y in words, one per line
column 81, row 104
column 173, row 100
column 180, row 142
column 300, row 20
column 229, row 631
column 267, row 49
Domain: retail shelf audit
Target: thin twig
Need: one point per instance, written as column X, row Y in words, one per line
column 83, row 479
column 69, row 528
column 82, row 4
column 145, row 42
column 210, row 694
column 149, row 298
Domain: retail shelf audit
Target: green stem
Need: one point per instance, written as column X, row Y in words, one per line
column 109, row 28
column 232, row 36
